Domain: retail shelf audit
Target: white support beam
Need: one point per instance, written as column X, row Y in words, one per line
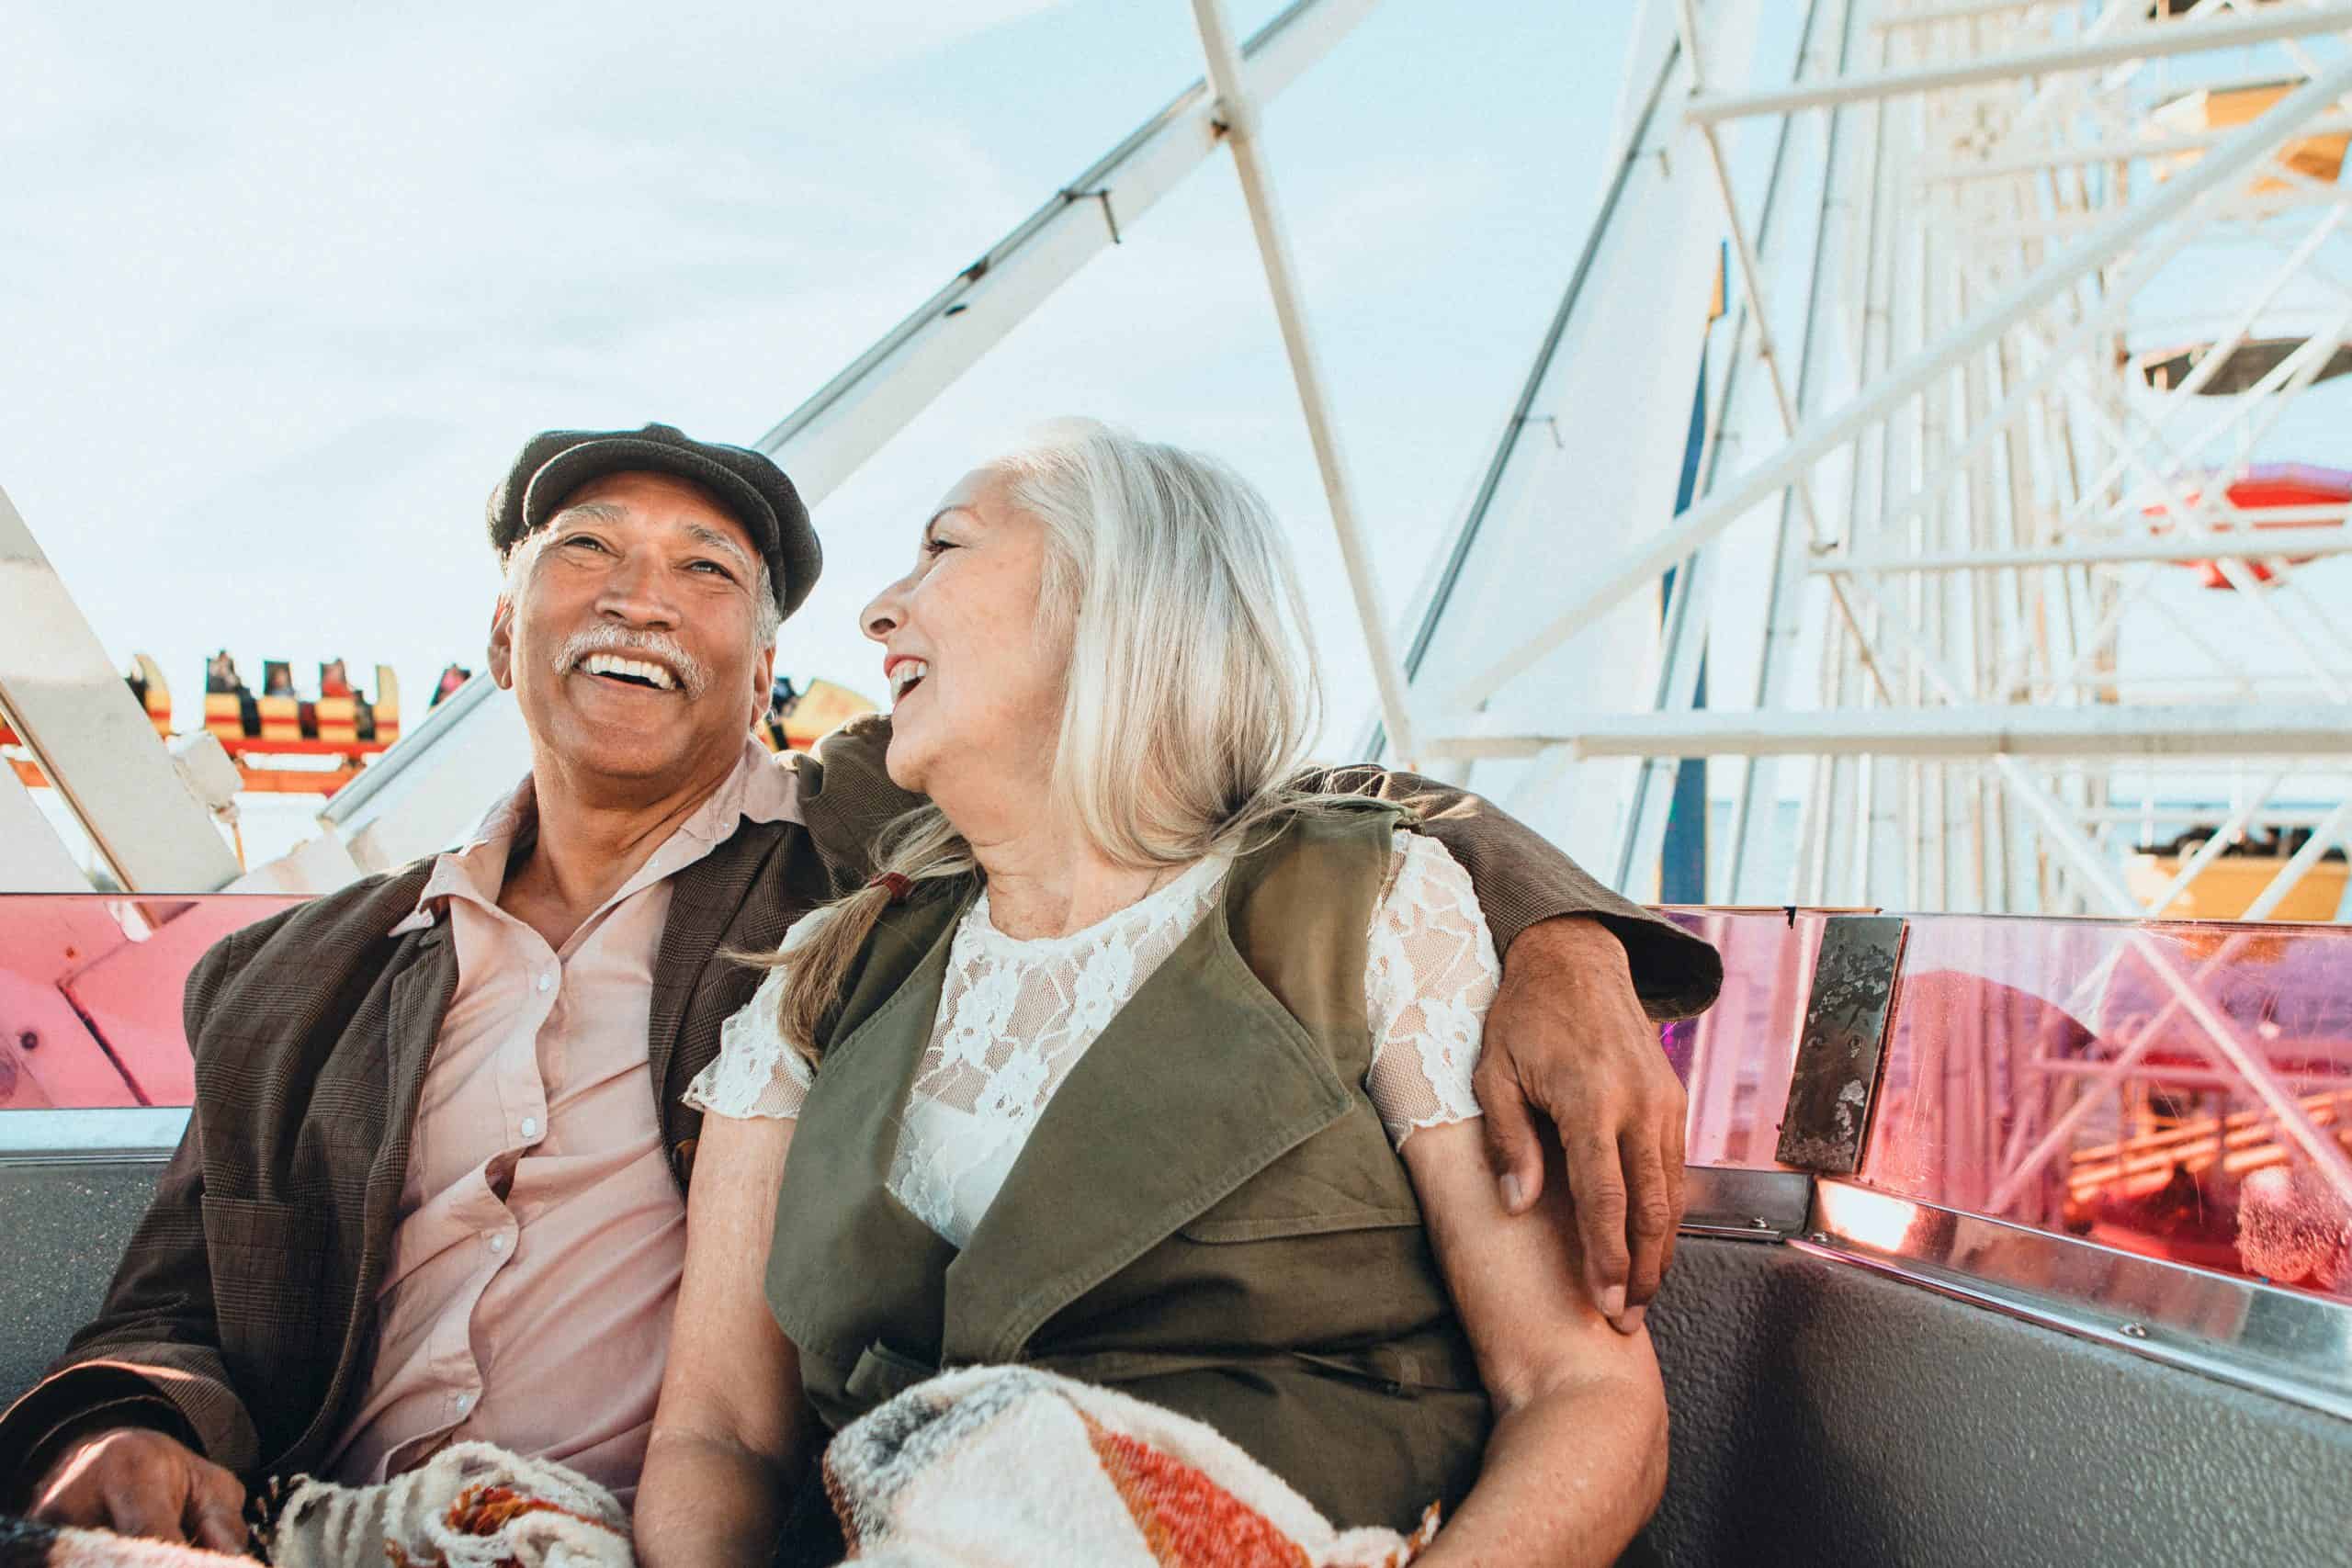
column 2120, row 151
column 1966, row 11
column 32, row 858
column 92, row 737
column 2153, row 42
column 824, row 440
column 2231, row 830
column 2325, row 837
column 2254, row 545
column 1885, row 394
column 1238, row 112
column 2307, row 731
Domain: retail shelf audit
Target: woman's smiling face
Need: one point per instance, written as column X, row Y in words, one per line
column 976, row 680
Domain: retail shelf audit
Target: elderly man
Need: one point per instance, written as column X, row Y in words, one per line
column 432, row 1188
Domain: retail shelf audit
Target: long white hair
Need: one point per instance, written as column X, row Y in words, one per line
column 1191, row 694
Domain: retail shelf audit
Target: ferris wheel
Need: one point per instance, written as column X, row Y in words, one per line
column 1929, row 492
column 2032, row 306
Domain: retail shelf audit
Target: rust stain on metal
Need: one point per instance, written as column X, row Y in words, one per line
column 1835, row 1080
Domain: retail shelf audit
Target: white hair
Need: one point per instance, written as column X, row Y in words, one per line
column 1191, row 694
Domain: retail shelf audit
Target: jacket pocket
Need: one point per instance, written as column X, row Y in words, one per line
column 268, row 1263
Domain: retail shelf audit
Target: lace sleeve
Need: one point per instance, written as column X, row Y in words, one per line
column 756, row 1072
column 1432, row 975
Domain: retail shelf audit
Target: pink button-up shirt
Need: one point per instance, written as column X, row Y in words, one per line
column 526, row 1301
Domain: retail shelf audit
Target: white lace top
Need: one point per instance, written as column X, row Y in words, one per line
column 1015, row 1016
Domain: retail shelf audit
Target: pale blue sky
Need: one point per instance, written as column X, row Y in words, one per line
column 285, row 291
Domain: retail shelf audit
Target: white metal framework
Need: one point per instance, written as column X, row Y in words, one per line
column 1947, row 452
column 1935, row 462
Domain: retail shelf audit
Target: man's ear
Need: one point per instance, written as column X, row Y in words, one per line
column 762, row 683
column 501, row 643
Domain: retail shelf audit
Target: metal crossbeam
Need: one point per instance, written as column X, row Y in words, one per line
column 2265, row 543
column 2119, row 730
column 1238, row 112
column 92, row 738
column 1662, row 548
column 846, row 420
column 2152, row 42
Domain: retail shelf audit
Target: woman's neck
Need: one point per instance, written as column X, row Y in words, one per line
column 1044, row 878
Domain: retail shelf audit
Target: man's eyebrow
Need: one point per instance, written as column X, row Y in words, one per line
column 593, row 511
column 704, row 534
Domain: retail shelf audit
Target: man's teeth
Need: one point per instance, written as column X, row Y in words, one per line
column 630, row 670
column 904, row 674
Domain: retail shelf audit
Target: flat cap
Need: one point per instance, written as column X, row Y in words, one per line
column 556, row 463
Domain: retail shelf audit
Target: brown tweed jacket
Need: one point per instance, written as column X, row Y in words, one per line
column 242, row 1318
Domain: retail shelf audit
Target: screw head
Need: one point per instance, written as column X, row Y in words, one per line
column 1819, row 1238
column 1760, row 1223
column 27, row 1039
column 2134, row 1331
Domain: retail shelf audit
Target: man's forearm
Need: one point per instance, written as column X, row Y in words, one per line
column 24, row 1465
column 77, row 1402
column 1523, row 880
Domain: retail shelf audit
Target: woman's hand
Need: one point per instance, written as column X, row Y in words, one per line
column 1567, row 1036
column 1577, row 1460
column 732, row 1427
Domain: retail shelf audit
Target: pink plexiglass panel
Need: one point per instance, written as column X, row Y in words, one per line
column 2181, row 1089
column 90, row 994
column 1734, row 1060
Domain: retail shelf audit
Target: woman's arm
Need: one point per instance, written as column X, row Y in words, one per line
column 1577, row 1458
column 732, row 1427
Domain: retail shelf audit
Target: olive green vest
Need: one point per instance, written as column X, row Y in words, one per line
column 1207, row 1214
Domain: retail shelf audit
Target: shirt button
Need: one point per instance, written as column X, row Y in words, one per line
column 498, row 1244
column 530, row 1126
column 465, row 1402
column 547, row 982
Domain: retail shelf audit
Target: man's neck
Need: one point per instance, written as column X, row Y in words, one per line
column 589, row 843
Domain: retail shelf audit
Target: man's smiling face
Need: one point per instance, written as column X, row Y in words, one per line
column 628, row 633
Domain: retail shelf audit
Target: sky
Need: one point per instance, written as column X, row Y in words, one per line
column 286, row 288
column 286, row 291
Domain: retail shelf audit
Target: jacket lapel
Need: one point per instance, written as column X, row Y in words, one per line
column 1099, row 1185
column 416, row 1001
column 704, row 904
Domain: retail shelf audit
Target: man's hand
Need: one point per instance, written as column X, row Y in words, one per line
column 1567, row 1036
column 136, row 1482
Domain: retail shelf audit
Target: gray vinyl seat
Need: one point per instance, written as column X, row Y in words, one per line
column 65, row 1223
column 1823, row 1416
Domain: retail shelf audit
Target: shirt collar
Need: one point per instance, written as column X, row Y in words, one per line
column 763, row 787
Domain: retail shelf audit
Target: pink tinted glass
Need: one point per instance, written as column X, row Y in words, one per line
column 90, row 994
column 1734, row 1060
column 2181, row 1089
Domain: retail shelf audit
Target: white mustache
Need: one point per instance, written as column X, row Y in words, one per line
column 694, row 677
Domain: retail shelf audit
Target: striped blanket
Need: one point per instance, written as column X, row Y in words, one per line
column 989, row 1467
column 994, row 1466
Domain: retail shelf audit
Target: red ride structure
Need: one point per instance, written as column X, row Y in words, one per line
column 2301, row 495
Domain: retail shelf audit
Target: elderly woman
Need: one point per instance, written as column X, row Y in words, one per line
column 1164, row 1084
